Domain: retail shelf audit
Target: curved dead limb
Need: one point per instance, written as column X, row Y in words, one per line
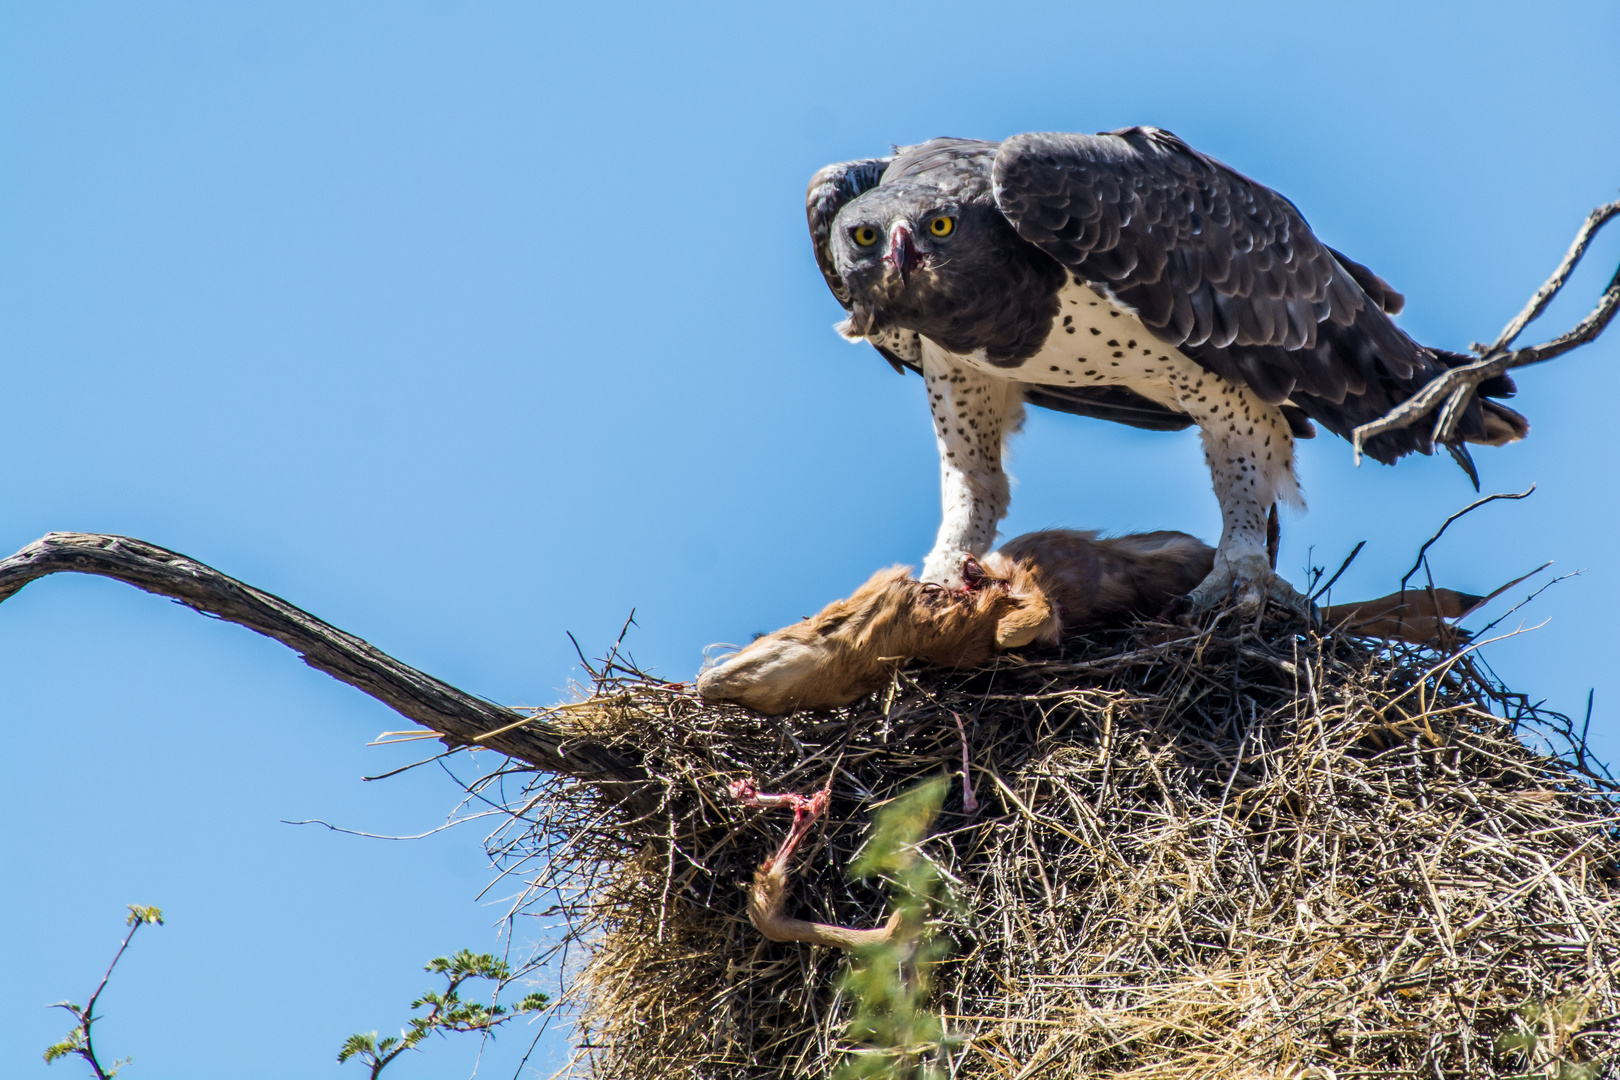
column 459, row 717
column 1453, row 390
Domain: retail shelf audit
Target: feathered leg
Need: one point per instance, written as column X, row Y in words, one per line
column 973, row 414
column 1250, row 453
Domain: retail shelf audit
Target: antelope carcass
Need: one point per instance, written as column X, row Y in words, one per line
column 1030, row 590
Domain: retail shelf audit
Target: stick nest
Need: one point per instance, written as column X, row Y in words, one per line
column 1246, row 853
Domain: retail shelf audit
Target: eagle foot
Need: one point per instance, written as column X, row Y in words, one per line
column 947, row 568
column 1248, row 582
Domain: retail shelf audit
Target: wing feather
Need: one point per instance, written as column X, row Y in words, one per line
column 1114, row 403
column 1140, row 191
column 1223, row 268
column 829, row 190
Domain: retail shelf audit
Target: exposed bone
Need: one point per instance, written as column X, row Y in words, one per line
column 970, row 801
column 768, row 896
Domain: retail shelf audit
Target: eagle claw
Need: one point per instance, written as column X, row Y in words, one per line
column 1248, row 582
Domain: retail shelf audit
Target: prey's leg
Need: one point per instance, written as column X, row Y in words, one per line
column 1250, row 453
column 973, row 414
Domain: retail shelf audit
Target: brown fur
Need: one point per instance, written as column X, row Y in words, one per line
column 1092, row 580
column 1025, row 592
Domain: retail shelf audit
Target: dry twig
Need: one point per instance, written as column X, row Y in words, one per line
column 1453, row 390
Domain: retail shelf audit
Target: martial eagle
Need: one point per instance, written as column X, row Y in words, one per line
column 1128, row 277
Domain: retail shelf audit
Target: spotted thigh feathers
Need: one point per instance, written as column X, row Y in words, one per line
column 975, row 404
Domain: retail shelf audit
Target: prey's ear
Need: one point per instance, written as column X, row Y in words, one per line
column 1028, row 613
column 1032, row 620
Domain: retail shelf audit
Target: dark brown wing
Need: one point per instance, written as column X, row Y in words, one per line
column 1204, row 254
column 1383, row 294
column 1223, row 268
column 1114, row 403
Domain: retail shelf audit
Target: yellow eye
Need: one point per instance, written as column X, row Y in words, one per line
column 865, row 235
column 942, row 226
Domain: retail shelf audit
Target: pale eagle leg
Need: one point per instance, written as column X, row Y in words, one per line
column 1250, row 454
column 973, row 414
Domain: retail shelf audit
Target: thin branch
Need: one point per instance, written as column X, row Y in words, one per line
column 386, row 836
column 459, row 717
column 1475, row 505
column 413, row 765
column 1561, row 577
column 1456, row 387
column 1549, row 289
column 1348, row 559
column 136, row 921
column 81, row 1040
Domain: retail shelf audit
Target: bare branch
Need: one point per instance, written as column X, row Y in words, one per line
column 1456, row 387
column 1348, row 559
column 1441, row 531
column 1538, row 303
column 459, row 717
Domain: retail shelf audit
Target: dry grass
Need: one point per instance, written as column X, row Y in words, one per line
column 1248, row 853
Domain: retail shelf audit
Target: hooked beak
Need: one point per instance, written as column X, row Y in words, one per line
column 903, row 255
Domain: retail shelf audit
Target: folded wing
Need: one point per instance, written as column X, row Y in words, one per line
column 1226, row 270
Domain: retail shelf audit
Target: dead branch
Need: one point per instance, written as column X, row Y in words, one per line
column 459, row 717
column 1423, row 552
column 1453, row 390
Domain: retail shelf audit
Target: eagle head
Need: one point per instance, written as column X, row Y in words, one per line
column 945, row 264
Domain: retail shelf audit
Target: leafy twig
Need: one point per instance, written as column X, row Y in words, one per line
column 79, row 1041
column 446, row 1011
column 891, row 981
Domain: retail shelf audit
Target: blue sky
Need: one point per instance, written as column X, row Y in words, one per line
column 463, row 325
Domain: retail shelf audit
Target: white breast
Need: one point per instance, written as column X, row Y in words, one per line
column 1095, row 343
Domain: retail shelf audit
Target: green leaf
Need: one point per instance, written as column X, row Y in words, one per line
column 143, row 914
column 446, row 1012
column 890, row 982
column 69, row 1045
column 1569, row 1070
column 358, row 1044
column 898, row 827
column 468, row 964
column 1517, row 1041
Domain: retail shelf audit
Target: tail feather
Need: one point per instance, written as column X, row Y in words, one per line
column 1487, row 422
column 1497, row 386
column 1502, row 424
